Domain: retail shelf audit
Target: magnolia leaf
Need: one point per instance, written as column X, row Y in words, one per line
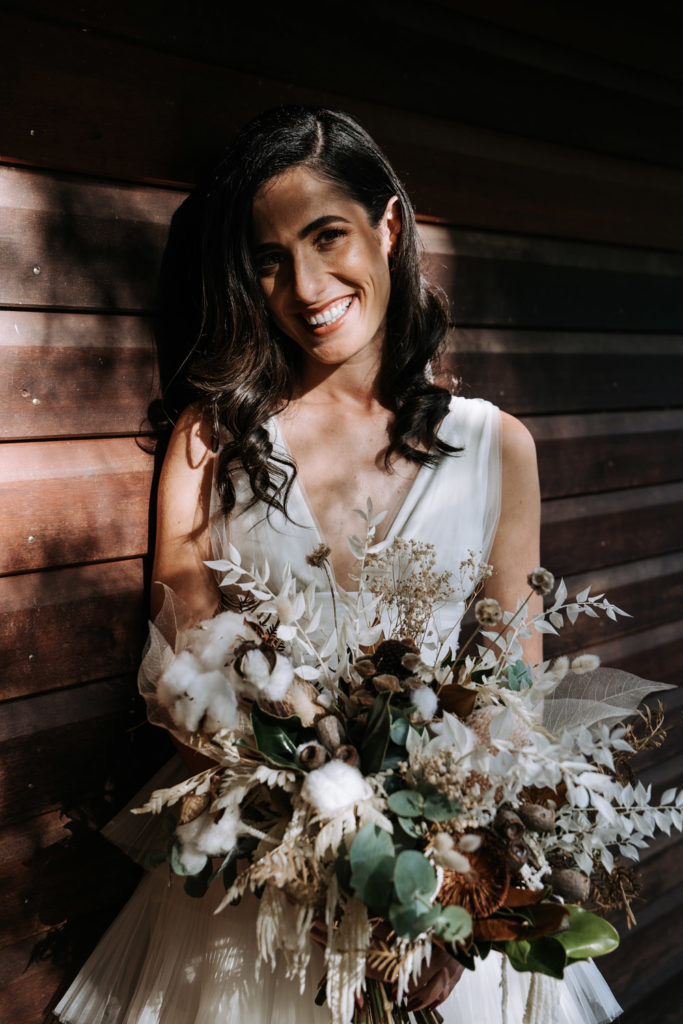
column 604, row 695
column 453, row 924
column 587, row 935
column 276, row 738
column 413, row 874
column 544, row 956
column 375, row 738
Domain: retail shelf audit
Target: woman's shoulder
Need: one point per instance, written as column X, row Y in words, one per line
column 517, row 446
column 191, row 441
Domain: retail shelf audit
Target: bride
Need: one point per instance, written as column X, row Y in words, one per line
column 318, row 332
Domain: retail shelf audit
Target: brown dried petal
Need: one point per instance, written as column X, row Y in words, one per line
column 485, row 887
column 192, row 806
column 386, row 682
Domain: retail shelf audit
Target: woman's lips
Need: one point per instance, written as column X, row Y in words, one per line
column 331, row 317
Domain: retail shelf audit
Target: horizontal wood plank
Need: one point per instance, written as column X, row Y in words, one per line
column 70, row 626
column 590, row 532
column 60, row 366
column 603, row 452
column 652, row 654
column 84, row 244
column 74, row 501
column 455, row 170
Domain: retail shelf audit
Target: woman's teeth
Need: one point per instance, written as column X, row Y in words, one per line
column 330, row 315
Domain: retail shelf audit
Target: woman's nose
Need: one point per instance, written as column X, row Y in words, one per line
column 307, row 277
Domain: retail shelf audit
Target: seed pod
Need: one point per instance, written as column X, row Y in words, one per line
column 508, row 823
column 365, row 667
column 537, row 818
column 312, row 755
column 517, row 854
column 386, row 682
column 330, row 732
column 347, row 753
column 573, row 885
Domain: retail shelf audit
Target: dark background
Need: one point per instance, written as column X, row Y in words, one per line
column 541, row 143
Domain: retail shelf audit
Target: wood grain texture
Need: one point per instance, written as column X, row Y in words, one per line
column 460, row 67
column 70, row 626
column 590, row 532
column 74, row 501
column 83, row 244
column 75, row 374
column 455, row 169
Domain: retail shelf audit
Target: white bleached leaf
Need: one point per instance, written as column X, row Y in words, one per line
column 667, row 796
column 583, row 596
column 219, row 564
column 560, row 594
column 679, row 799
column 234, row 554
column 307, row 671
column 315, row 620
column 544, row 627
column 572, row 611
column 357, row 546
column 379, row 518
column 329, row 646
column 556, row 619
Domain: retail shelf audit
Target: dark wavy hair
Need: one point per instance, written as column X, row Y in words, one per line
column 245, row 367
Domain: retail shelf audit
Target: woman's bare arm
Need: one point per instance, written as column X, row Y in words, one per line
column 183, row 540
column 516, row 548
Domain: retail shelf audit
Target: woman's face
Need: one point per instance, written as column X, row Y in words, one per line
column 323, row 268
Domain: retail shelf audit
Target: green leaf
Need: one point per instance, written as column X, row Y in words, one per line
column 407, row 803
column 176, row 864
column 409, row 920
column 413, row 875
column 453, row 924
column 196, row 885
column 375, row 739
column 399, row 731
column 276, row 738
column 518, row 675
column 587, row 935
column 372, row 858
column 437, row 807
column 408, row 826
column 544, row 955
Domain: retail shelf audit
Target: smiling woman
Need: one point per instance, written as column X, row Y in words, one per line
column 315, row 393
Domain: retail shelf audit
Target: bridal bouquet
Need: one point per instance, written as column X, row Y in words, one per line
column 375, row 787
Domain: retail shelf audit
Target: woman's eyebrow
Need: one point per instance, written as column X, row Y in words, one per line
column 319, row 222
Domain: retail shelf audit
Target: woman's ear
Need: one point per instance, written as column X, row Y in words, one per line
column 391, row 224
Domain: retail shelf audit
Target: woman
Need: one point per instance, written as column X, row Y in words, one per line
column 318, row 331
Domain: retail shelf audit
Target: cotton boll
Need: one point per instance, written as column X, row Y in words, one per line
column 221, row 711
column 191, row 860
column 178, row 678
column 217, row 838
column 252, row 674
column 334, row 787
column 214, row 639
column 425, row 701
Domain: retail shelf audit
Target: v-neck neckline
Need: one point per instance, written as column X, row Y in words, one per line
column 297, row 485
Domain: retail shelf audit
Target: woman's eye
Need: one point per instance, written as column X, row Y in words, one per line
column 268, row 263
column 330, row 235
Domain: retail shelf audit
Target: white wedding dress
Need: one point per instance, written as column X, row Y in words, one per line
column 167, row 959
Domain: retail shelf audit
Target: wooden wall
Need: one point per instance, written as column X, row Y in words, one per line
column 542, row 146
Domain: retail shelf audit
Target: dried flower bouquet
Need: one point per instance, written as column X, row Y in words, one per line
column 375, row 786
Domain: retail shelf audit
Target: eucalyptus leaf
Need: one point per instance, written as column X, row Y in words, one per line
column 438, row 807
column 587, row 935
column 413, row 874
column 408, row 922
column 196, row 885
column 407, row 803
column 408, row 826
column 176, row 864
column 453, row 924
column 399, row 731
column 372, row 859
